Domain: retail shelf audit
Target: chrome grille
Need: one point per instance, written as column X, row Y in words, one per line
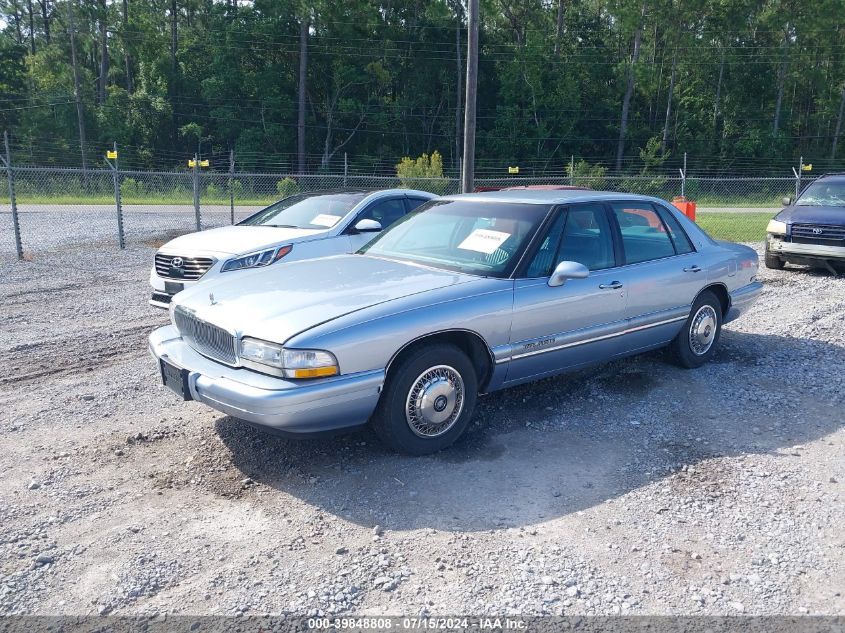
column 209, row 340
column 192, row 268
column 818, row 233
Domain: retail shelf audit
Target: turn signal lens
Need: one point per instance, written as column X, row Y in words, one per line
column 319, row 372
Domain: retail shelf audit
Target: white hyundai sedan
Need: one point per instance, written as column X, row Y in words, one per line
column 302, row 226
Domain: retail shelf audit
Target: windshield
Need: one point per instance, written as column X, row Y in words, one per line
column 478, row 237
column 823, row 194
column 307, row 211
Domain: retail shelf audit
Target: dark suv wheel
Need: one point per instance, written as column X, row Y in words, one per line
column 772, row 261
column 427, row 400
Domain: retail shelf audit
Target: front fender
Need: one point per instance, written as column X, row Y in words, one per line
column 369, row 339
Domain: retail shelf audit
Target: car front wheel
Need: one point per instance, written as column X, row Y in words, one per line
column 696, row 342
column 427, row 400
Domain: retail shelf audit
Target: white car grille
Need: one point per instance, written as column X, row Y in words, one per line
column 187, row 268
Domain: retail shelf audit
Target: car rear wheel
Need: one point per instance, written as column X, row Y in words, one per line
column 773, row 261
column 696, row 342
column 427, row 400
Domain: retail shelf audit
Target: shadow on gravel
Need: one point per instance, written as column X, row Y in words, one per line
column 564, row 444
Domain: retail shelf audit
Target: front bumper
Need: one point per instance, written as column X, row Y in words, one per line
column 293, row 406
column 161, row 296
column 741, row 300
column 794, row 252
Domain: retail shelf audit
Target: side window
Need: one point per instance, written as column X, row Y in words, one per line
column 413, row 203
column 541, row 264
column 386, row 212
column 644, row 236
column 676, row 232
column 587, row 238
column 580, row 234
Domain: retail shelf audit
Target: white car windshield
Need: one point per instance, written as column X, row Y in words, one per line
column 319, row 211
column 823, row 194
column 482, row 238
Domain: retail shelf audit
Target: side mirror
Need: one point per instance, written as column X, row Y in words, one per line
column 368, row 226
column 787, row 200
column 568, row 270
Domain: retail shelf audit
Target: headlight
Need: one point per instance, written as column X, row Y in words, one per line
column 257, row 259
column 291, row 363
column 777, row 227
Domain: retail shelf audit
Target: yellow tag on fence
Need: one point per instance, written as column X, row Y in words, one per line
column 111, row 154
column 807, row 167
column 192, row 163
column 204, row 163
column 513, row 170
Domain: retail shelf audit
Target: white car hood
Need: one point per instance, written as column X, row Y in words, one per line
column 236, row 240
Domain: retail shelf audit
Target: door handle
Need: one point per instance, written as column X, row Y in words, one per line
column 613, row 285
column 695, row 268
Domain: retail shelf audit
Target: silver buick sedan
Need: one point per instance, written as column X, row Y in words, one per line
column 464, row 296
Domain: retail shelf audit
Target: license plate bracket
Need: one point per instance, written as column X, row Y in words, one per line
column 176, row 379
column 172, row 287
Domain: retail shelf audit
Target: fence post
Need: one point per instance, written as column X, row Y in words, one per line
column 117, row 202
column 232, row 185
column 572, row 169
column 345, row 168
column 7, row 162
column 197, row 191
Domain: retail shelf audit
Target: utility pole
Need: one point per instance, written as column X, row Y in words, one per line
column 77, row 88
column 468, row 175
column 303, row 71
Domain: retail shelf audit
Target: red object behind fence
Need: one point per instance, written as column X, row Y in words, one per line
column 687, row 207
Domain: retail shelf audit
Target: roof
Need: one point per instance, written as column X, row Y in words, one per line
column 547, row 196
column 550, row 187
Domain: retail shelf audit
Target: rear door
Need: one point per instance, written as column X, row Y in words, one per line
column 577, row 323
column 663, row 270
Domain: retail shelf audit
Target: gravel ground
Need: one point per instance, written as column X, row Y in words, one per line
column 634, row 487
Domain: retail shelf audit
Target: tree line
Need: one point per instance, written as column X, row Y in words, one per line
column 296, row 84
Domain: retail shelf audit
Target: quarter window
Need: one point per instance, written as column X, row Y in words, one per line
column 644, row 236
column 676, row 232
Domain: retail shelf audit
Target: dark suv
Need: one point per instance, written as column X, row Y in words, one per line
column 810, row 230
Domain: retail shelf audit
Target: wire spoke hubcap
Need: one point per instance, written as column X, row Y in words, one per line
column 435, row 401
column 702, row 331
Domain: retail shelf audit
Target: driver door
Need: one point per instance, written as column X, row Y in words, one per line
column 578, row 323
column 385, row 211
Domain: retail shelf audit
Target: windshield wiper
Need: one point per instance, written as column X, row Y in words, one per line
column 283, row 226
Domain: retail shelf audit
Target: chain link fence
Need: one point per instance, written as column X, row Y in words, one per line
column 62, row 209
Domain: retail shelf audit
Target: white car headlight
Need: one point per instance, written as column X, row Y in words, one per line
column 293, row 363
column 257, row 259
column 777, row 227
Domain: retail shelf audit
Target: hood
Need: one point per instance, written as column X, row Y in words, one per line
column 282, row 300
column 797, row 214
column 236, row 240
